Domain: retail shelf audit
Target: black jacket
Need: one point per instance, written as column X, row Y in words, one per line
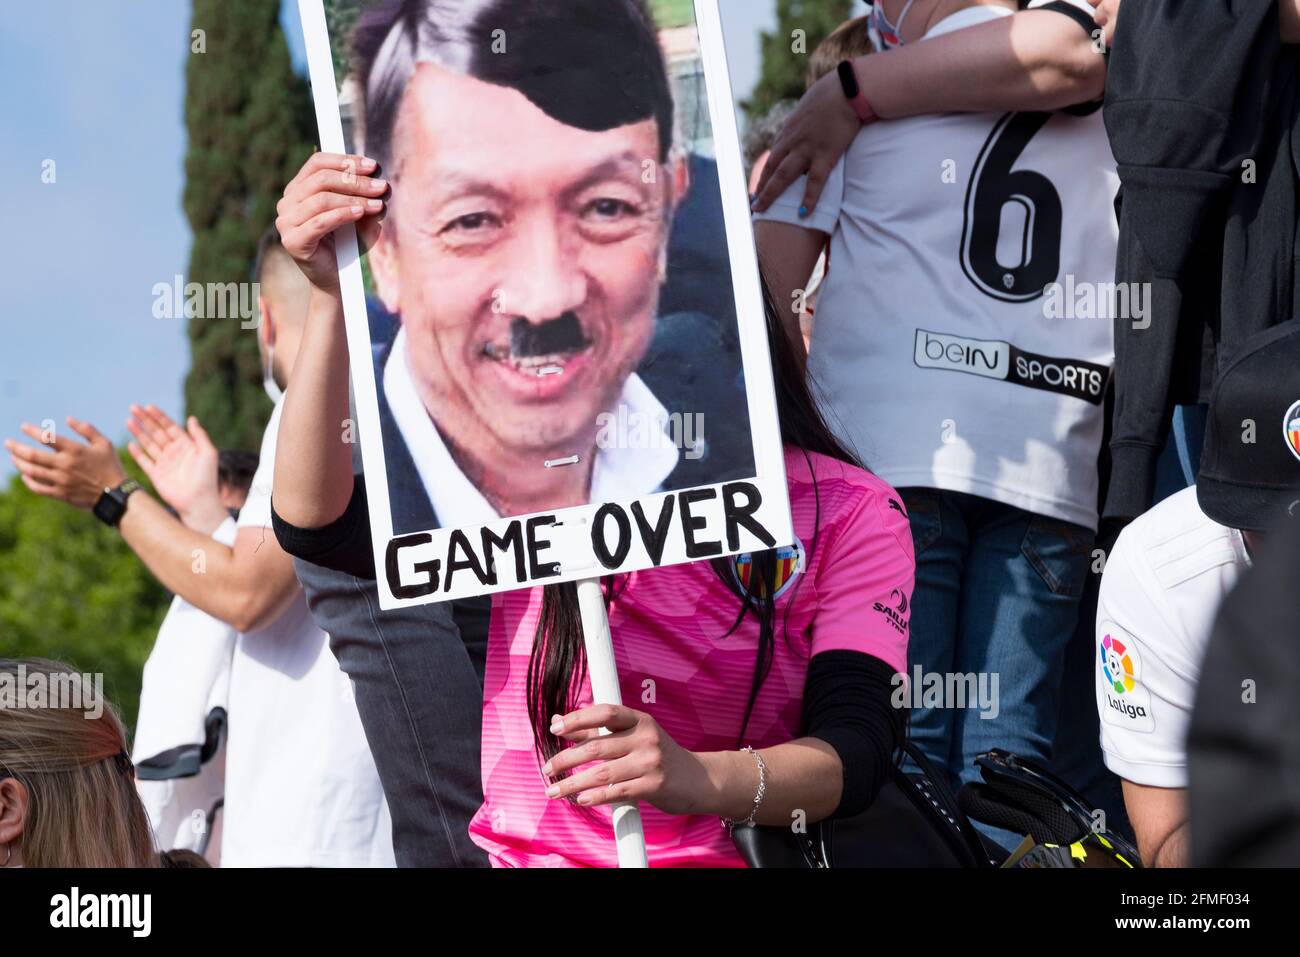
column 1243, row 761
column 1201, row 109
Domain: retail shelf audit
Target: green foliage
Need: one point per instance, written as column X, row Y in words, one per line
column 341, row 15
column 73, row 591
column 673, row 13
column 250, row 123
column 786, row 52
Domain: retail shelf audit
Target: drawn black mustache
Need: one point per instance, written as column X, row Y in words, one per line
column 548, row 338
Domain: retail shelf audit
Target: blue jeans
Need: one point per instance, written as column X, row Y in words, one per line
column 1077, row 756
column 1076, row 753
column 997, row 596
column 1181, row 458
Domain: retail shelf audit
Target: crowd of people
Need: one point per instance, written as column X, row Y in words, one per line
column 1029, row 302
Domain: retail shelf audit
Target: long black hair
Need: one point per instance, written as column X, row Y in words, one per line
column 558, row 665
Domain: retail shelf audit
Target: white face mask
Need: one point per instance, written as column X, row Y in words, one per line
column 272, row 388
column 886, row 35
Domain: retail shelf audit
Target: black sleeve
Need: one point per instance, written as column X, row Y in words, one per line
column 846, row 703
column 1188, row 87
column 1242, row 759
column 345, row 545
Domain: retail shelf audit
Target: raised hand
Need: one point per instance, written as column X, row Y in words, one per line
column 71, row 471
column 811, row 141
column 181, row 464
column 330, row 190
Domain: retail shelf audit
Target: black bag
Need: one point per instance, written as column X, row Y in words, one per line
column 914, row 822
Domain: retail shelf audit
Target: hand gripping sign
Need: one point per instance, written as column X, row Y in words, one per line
column 558, row 349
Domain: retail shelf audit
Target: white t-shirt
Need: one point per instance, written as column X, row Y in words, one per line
column 186, row 677
column 301, row 785
column 941, row 351
column 1163, row 584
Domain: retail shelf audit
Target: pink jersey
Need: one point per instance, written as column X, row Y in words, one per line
column 848, row 588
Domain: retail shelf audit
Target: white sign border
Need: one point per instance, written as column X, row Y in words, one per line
column 571, row 549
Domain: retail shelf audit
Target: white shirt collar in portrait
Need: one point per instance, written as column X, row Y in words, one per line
column 618, row 474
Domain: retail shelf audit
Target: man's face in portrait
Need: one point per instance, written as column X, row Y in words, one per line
column 524, row 257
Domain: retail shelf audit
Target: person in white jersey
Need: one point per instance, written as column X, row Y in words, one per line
column 963, row 348
column 1169, row 573
column 301, row 785
column 179, row 745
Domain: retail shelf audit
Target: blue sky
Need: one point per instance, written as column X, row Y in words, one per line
column 98, row 89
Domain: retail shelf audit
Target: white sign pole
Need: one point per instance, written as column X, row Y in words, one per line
column 628, row 834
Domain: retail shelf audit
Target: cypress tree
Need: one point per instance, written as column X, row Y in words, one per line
column 250, row 124
column 800, row 26
column 341, row 15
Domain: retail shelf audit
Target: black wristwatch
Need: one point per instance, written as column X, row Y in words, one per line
column 112, row 504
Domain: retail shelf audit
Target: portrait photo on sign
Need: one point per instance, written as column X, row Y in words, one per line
column 558, row 347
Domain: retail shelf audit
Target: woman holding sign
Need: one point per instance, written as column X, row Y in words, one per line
column 759, row 687
column 762, row 684
column 533, row 172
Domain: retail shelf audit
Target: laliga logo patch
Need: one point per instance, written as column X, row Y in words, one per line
column 1119, row 673
column 1116, row 665
column 789, row 563
column 1291, row 429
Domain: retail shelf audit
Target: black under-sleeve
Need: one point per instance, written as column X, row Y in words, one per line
column 846, row 703
column 344, row 545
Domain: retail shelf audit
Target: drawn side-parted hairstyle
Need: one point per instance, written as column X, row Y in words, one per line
column 590, row 64
column 83, row 809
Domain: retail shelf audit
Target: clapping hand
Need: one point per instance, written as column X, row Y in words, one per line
column 181, row 464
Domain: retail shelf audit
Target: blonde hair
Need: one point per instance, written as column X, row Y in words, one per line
column 848, row 41
column 83, row 808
